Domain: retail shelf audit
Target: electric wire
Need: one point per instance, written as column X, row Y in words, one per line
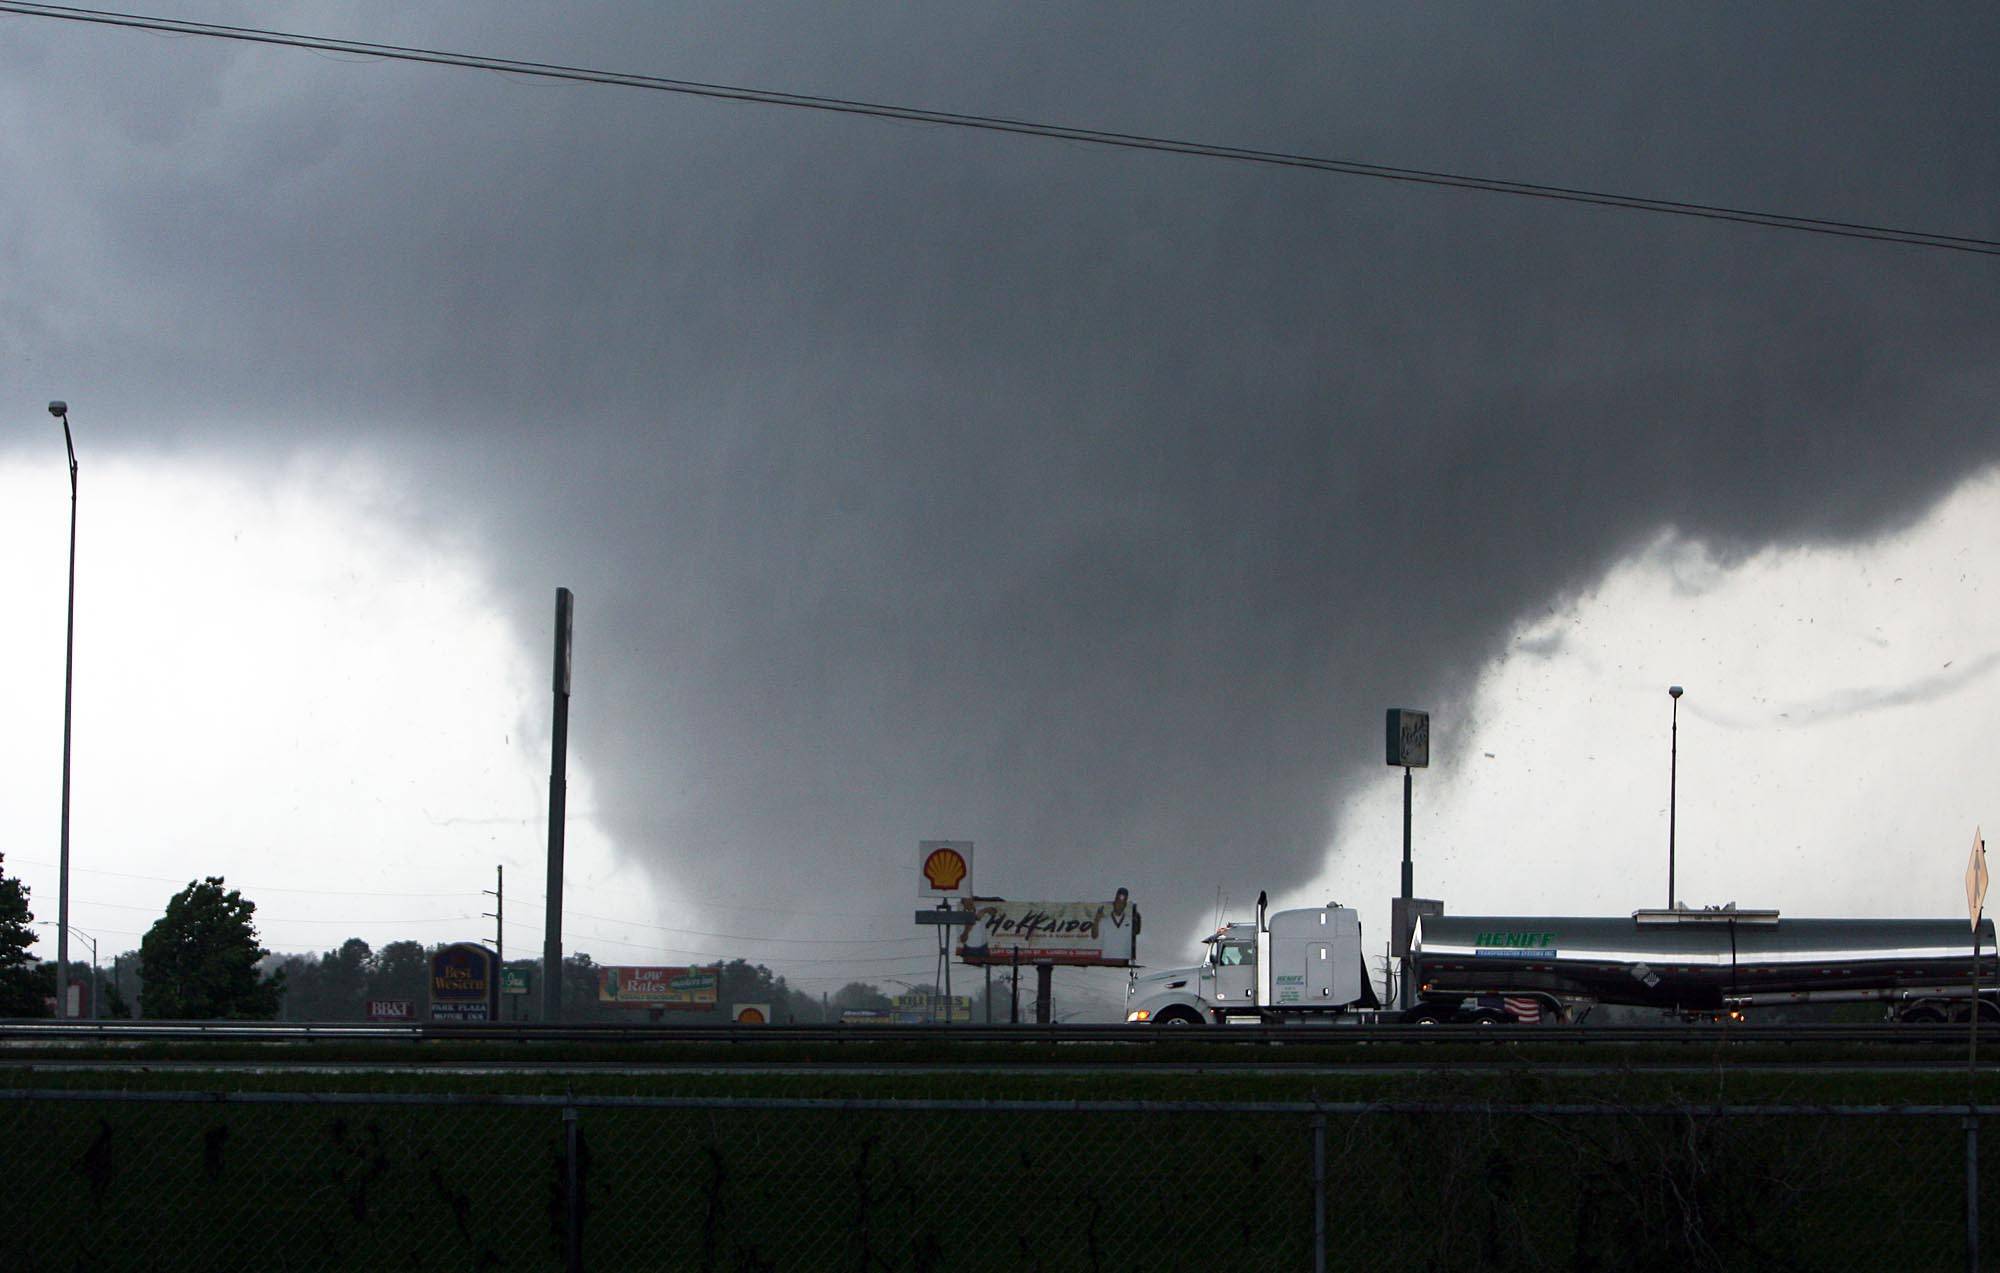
column 1029, row 128
column 574, row 940
column 242, row 888
column 463, row 893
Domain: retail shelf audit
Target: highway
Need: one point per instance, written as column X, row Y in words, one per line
column 1138, row 1038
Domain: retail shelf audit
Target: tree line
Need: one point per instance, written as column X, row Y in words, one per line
column 202, row 960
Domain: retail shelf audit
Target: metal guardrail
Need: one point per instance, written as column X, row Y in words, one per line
column 1136, row 1036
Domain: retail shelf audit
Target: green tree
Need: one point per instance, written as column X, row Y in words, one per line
column 330, row 988
column 860, row 996
column 579, row 992
column 301, row 985
column 201, row 958
column 20, row 996
column 400, row 970
column 745, row 982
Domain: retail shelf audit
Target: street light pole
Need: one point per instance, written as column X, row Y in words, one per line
column 62, row 987
column 1673, row 780
column 60, row 410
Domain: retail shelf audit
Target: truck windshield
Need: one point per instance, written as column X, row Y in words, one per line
column 1229, row 954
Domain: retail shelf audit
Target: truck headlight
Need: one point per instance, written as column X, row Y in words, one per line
column 1138, row 1014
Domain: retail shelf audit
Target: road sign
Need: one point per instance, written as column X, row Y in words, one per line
column 513, row 981
column 1975, row 879
column 1409, row 738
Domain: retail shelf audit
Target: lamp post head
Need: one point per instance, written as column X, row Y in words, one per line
column 1673, row 691
column 59, row 409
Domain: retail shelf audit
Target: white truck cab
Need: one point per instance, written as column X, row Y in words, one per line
column 1294, row 964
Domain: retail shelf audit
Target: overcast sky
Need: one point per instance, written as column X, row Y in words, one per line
column 1088, row 504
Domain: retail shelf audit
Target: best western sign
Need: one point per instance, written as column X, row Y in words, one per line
column 463, row 987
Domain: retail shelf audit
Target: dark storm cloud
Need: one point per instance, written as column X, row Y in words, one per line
column 1087, row 504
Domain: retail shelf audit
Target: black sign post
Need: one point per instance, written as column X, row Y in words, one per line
column 1409, row 745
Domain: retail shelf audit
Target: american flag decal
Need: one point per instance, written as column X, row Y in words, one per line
column 1523, row 1009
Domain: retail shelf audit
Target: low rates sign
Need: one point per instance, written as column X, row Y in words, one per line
column 691, row 988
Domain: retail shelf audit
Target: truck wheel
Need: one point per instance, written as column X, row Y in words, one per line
column 1175, row 1016
column 1923, row 1016
column 1487, row 1016
column 1425, row 1014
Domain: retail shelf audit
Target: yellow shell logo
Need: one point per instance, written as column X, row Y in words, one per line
column 944, row 868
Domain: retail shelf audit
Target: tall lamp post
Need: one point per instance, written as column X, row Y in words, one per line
column 1673, row 776
column 60, row 410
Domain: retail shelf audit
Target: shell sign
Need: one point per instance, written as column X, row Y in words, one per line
column 944, row 868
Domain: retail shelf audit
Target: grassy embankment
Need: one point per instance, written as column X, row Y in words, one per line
column 214, row 1185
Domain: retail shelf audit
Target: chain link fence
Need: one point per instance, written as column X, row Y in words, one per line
column 172, row 1180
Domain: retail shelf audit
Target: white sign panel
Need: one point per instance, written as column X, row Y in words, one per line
column 944, row 868
column 1084, row 934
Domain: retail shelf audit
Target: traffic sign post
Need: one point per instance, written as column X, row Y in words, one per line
column 1409, row 745
column 1975, row 901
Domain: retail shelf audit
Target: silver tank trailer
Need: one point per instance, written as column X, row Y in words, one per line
column 1698, row 960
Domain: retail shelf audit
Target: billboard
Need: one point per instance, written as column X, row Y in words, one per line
column 1081, row 934
column 392, row 1010
column 462, row 983
column 928, row 1009
column 866, row 1016
column 751, row 1014
column 693, row 989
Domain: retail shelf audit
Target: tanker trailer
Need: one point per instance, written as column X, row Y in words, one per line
column 1694, row 962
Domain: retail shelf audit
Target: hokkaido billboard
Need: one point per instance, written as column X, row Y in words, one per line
column 1082, row 934
column 691, row 988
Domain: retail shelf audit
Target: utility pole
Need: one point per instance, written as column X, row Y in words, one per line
column 558, row 796
column 60, row 410
column 498, row 915
column 1014, row 1012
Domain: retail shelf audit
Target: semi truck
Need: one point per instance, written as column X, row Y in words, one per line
column 1308, row 965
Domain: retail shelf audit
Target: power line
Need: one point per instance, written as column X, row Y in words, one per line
column 690, row 932
column 603, row 919
column 574, row 940
column 1028, row 128
column 350, row 892
column 249, row 888
column 274, row 919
